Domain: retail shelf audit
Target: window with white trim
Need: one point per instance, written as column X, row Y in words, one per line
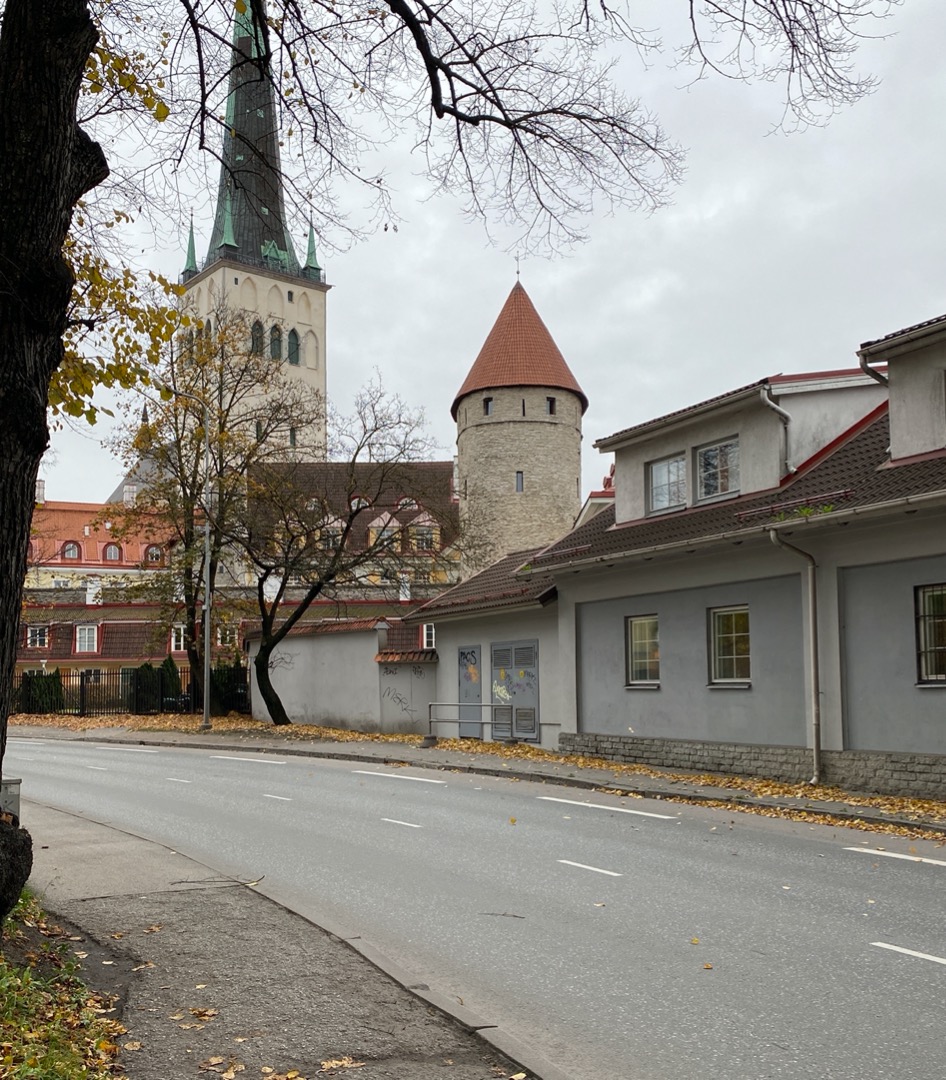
column 86, row 638
column 113, row 553
column 931, row 633
column 717, row 469
column 154, row 554
column 37, row 637
column 178, row 638
column 729, row 645
column 643, row 650
column 226, row 636
column 429, row 635
column 70, row 550
column 667, row 484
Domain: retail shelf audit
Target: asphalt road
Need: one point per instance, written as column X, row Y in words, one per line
column 624, row 939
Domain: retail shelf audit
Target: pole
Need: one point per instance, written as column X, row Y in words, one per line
column 208, row 599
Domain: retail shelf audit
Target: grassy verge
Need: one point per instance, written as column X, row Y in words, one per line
column 52, row 1027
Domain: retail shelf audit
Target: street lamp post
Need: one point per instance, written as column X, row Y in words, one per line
column 205, row 724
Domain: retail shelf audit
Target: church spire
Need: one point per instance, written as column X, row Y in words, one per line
column 190, row 266
column 311, row 261
column 250, row 222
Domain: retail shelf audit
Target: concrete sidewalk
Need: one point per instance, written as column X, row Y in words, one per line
column 216, row 968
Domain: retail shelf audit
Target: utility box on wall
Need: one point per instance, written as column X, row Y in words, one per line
column 10, row 798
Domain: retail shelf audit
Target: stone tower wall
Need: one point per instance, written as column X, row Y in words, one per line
column 518, row 435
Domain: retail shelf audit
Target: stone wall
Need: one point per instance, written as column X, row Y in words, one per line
column 915, row 775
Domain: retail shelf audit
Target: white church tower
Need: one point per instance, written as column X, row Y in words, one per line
column 251, row 266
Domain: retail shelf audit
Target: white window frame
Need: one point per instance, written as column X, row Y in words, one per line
column 226, row 636
column 112, row 553
column 37, row 637
column 667, row 492
column 428, row 635
column 726, row 659
column 179, row 637
column 87, row 638
column 642, row 650
column 154, row 554
column 930, row 603
column 726, row 473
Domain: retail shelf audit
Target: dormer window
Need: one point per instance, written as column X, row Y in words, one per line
column 154, row 554
column 70, row 550
column 667, row 483
column 86, row 638
column 113, row 553
column 717, row 469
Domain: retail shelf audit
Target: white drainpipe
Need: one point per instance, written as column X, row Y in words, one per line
column 786, row 420
column 812, row 651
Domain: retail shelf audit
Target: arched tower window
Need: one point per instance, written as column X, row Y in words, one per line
column 256, row 338
column 293, row 348
column 275, row 343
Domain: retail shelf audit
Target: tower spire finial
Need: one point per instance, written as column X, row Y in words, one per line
column 190, row 265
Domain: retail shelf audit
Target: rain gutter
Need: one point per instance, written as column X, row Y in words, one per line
column 813, row 657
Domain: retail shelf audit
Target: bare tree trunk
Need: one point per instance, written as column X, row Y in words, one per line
column 277, row 711
column 48, row 164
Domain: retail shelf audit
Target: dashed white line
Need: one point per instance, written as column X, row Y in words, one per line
column 897, row 855
column 408, row 824
column 177, row 780
column 910, row 952
column 397, row 776
column 601, row 806
column 596, row 869
column 255, row 760
column 129, row 749
column 281, row 798
column 98, row 768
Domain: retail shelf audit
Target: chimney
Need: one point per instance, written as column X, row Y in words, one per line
column 40, row 492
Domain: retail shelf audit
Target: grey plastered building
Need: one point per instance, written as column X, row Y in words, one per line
column 767, row 595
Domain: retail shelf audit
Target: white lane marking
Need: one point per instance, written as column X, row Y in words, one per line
column 98, row 768
column 281, row 798
column 910, row 952
column 177, row 780
column 600, row 806
column 129, row 749
column 255, row 760
column 897, row 855
column 596, row 869
column 397, row 776
column 394, row 821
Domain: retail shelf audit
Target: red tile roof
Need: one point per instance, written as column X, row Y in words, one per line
column 519, row 351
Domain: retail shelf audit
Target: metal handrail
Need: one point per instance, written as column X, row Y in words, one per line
column 430, row 739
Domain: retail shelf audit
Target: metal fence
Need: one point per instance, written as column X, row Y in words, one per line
column 141, row 691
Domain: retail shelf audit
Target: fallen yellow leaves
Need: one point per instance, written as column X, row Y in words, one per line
column 340, row 1063
column 203, row 1014
column 226, row 1068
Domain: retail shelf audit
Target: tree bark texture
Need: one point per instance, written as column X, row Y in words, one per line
column 277, row 711
column 48, row 164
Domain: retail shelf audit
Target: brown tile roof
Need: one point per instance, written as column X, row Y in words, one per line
column 925, row 325
column 492, row 588
column 850, row 475
column 519, row 351
column 409, row 656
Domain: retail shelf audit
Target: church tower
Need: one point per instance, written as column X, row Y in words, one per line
column 251, row 266
column 518, row 417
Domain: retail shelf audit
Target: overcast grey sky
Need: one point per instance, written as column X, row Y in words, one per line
column 779, row 254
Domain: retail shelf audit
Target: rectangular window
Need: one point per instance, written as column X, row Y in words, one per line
column 429, row 635
column 487, row 406
column 226, row 636
column 931, row 633
column 729, row 644
column 37, row 637
column 668, row 483
column 92, row 674
column 643, row 649
column 717, row 469
column 550, row 406
column 292, row 437
column 178, row 638
column 86, row 638
column 423, row 538
column 520, row 483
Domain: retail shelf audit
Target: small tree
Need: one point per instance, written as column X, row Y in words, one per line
column 371, row 520
column 256, row 415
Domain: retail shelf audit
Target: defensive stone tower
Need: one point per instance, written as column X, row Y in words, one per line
column 518, row 417
column 251, row 266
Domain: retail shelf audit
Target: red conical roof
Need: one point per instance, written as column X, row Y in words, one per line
column 519, row 352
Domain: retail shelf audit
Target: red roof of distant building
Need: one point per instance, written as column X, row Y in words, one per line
column 519, row 351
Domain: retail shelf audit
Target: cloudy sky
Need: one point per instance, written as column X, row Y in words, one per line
column 779, row 253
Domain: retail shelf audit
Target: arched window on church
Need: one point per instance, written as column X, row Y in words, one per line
column 275, row 343
column 293, row 348
column 256, row 338
column 209, row 329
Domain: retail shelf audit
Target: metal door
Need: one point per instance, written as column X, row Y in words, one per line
column 471, row 692
column 515, row 688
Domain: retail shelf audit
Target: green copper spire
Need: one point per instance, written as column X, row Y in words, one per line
column 311, row 262
column 190, row 267
column 228, row 238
